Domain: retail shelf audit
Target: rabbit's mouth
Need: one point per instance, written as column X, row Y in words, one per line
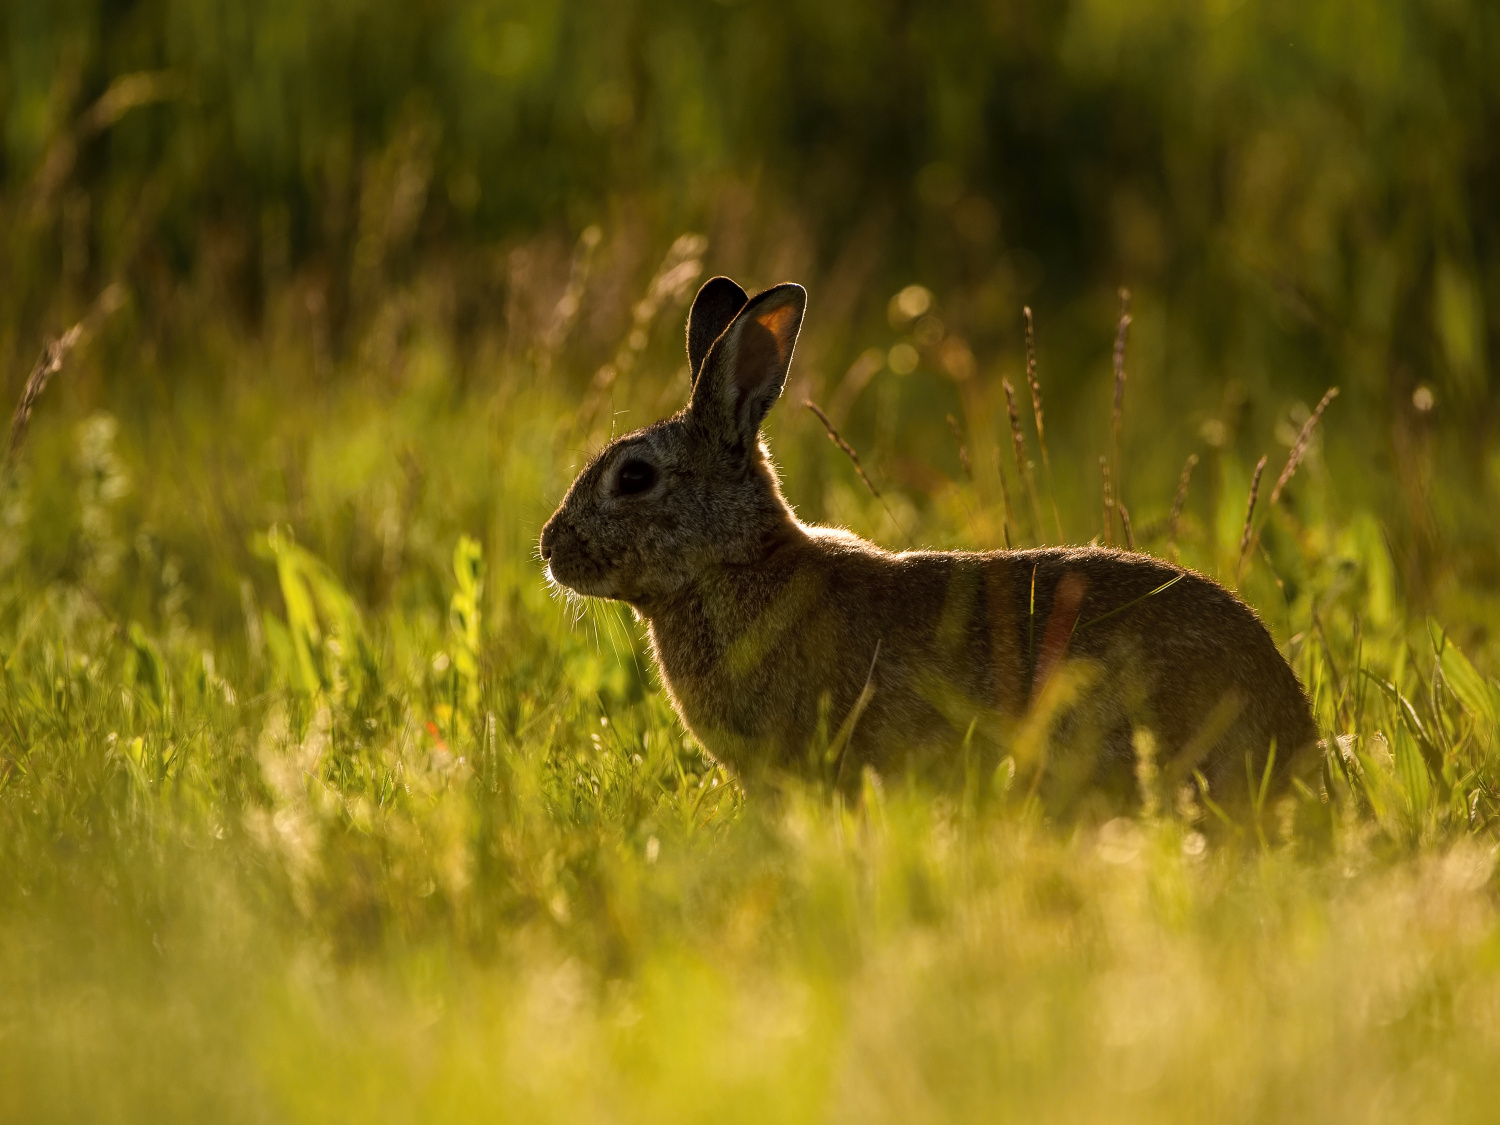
column 570, row 563
column 581, row 579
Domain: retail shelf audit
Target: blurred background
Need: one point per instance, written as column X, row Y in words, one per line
column 314, row 796
column 331, row 197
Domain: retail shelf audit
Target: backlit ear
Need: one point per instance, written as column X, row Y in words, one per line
column 746, row 367
column 713, row 308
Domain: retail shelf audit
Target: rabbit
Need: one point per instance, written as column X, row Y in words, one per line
column 791, row 647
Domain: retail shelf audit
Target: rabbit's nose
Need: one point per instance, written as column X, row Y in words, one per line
column 549, row 534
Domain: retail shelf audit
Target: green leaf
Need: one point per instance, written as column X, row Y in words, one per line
column 1411, row 772
column 149, row 671
column 1474, row 694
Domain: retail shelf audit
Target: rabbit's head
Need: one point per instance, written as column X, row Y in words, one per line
column 696, row 490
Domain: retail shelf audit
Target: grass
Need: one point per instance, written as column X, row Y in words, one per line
column 316, row 804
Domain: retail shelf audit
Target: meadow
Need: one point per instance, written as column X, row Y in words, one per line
column 318, row 804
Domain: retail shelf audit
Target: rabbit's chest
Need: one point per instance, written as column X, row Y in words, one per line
column 754, row 691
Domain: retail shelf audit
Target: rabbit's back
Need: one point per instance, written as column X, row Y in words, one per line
column 890, row 659
column 1174, row 653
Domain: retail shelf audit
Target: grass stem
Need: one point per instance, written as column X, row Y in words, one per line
column 1177, row 502
column 838, row 440
column 1245, row 537
column 1036, row 413
column 49, row 363
column 1122, row 337
column 1023, row 463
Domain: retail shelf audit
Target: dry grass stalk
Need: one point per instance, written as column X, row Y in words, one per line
column 1121, row 339
column 565, row 313
column 963, row 452
column 47, row 365
column 671, row 281
column 1178, row 501
column 1109, row 503
column 1300, row 447
column 50, row 362
column 855, row 380
column 677, row 272
column 1125, row 524
column 1260, row 467
column 1010, row 514
column 125, row 93
column 1023, row 463
column 1122, row 336
column 1036, row 413
column 837, row 439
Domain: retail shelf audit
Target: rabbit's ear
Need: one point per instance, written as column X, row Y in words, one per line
column 746, row 367
column 713, row 308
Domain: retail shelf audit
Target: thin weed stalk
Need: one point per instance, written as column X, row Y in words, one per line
column 967, row 466
column 565, row 312
column 1125, row 524
column 1010, row 514
column 845, row 733
column 1109, row 502
column 1023, row 463
column 963, row 452
column 1036, row 413
column 1299, row 448
column 838, row 440
column 1177, row 503
column 1122, row 337
column 54, row 353
column 678, row 270
column 1245, row 537
column 1294, row 459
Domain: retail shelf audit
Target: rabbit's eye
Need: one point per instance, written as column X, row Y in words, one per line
column 636, row 476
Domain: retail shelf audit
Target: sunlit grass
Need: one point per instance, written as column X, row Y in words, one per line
column 316, row 803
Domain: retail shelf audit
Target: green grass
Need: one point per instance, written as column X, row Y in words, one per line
column 316, row 804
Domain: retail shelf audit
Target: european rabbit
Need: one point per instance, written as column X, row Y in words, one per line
column 779, row 642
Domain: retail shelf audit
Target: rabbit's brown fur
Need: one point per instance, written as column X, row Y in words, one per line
column 789, row 646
